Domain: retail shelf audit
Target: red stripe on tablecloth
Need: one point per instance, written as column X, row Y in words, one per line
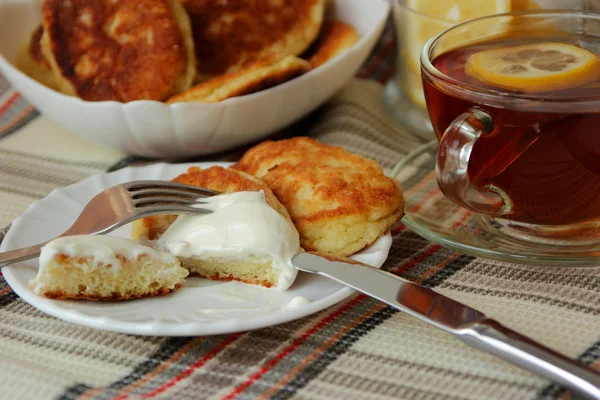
column 466, row 214
column 378, row 58
column 418, row 259
column 156, row 371
column 437, row 267
column 26, row 111
column 398, row 229
column 424, row 200
column 13, row 97
column 221, row 346
column 275, row 360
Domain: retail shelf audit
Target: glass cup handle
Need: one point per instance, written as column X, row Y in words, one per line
column 452, row 164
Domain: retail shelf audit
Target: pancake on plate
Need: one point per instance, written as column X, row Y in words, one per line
column 120, row 50
column 340, row 202
column 248, row 237
column 335, row 37
column 253, row 78
column 102, row 267
column 219, row 179
column 229, row 34
column 32, row 62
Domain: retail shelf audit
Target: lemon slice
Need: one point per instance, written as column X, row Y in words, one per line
column 539, row 67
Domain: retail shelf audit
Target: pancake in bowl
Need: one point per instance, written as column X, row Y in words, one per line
column 120, row 50
column 229, row 34
column 335, row 37
column 248, row 237
column 253, row 78
column 32, row 61
column 340, row 202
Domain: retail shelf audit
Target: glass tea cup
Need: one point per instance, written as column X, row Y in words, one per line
column 514, row 100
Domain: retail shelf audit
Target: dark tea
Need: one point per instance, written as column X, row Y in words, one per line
column 546, row 159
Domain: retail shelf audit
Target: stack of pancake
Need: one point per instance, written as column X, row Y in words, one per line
column 178, row 50
column 339, row 202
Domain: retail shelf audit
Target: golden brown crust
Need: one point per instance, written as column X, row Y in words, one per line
column 229, row 34
column 31, row 60
column 35, row 48
column 335, row 37
column 340, row 202
column 335, row 258
column 119, row 50
column 257, row 76
column 224, row 180
column 227, row 180
column 229, row 277
column 60, row 295
column 151, row 228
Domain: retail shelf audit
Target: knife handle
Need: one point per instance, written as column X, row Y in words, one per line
column 492, row 337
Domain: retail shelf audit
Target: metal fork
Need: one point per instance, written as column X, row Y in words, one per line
column 121, row 204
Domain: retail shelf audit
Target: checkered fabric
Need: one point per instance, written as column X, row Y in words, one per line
column 357, row 349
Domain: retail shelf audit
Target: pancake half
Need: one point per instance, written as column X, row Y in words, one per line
column 120, row 50
column 253, row 78
column 32, row 61
column 100, row 267
column 340, row 202
column 243, row 239
column 335, row 37
column 249, row 241
column 229, row 34
column 219, row 179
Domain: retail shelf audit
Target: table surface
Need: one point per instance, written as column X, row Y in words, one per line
column 357, row 349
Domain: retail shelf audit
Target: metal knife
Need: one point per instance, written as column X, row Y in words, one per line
column 467, row 324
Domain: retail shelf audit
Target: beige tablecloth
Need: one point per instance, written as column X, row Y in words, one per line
column 358, row 349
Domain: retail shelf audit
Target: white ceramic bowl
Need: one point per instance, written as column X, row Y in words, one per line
column 154, row 129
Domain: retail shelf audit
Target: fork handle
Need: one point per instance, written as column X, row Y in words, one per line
column 24, row 254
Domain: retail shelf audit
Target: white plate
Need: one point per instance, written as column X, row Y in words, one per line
column 155, row 129
column 200, row 307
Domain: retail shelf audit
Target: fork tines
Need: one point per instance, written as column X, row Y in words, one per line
column 153, row 187
column 163, row 193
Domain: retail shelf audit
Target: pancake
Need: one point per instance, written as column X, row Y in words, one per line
column 243, row 239
column 32, row 62
column 339, row 202
column 253, row 78
column 335, row 37
column 224, row 180
column 120, row 50
column 249, row 237
column 229, row 34
column 102, row 267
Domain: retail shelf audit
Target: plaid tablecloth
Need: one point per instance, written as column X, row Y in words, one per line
column 358, row 349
